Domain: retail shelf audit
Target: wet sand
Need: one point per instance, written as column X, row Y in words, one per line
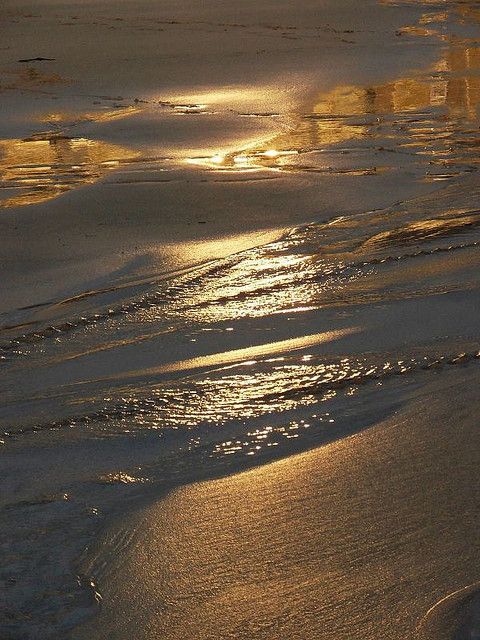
column 357, row 539
column 135, row 94
column 239, row 319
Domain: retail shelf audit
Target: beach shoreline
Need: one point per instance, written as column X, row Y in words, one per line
column 130, row 201
column 239, row 319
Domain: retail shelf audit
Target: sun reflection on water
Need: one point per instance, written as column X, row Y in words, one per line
column 423, row 113
column 37, row 170
column 449, row 91
column 244, row 161
column 352, row 130
column 336, row 267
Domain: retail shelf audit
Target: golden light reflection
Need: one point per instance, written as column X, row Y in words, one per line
column 424, row 230
column 458, row 91
column 71, row 117
column 247, row 354
column 245, row 160
column 439, row 97
column 418, row 115
column 237, row 97
column 261, row 284
column 257, row 388
column 37, row 170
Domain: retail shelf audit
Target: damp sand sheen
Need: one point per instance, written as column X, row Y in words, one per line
column 239, row 331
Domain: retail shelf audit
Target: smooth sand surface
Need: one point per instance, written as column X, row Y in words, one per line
column 353, row 540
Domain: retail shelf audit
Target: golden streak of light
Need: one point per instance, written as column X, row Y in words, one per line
column 240, row 96
column 243, row 160
column 246, row 355
column 66, row 117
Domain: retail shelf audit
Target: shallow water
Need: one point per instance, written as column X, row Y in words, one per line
column 113, row 396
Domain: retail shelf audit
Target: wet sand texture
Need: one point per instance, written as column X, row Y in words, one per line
column 239, row 331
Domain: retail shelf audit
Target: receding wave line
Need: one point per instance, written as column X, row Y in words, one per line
column 371, row 373
column 156, row 298
column 456, row 616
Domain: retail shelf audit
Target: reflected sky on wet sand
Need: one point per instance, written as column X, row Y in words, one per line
column 426, row 121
